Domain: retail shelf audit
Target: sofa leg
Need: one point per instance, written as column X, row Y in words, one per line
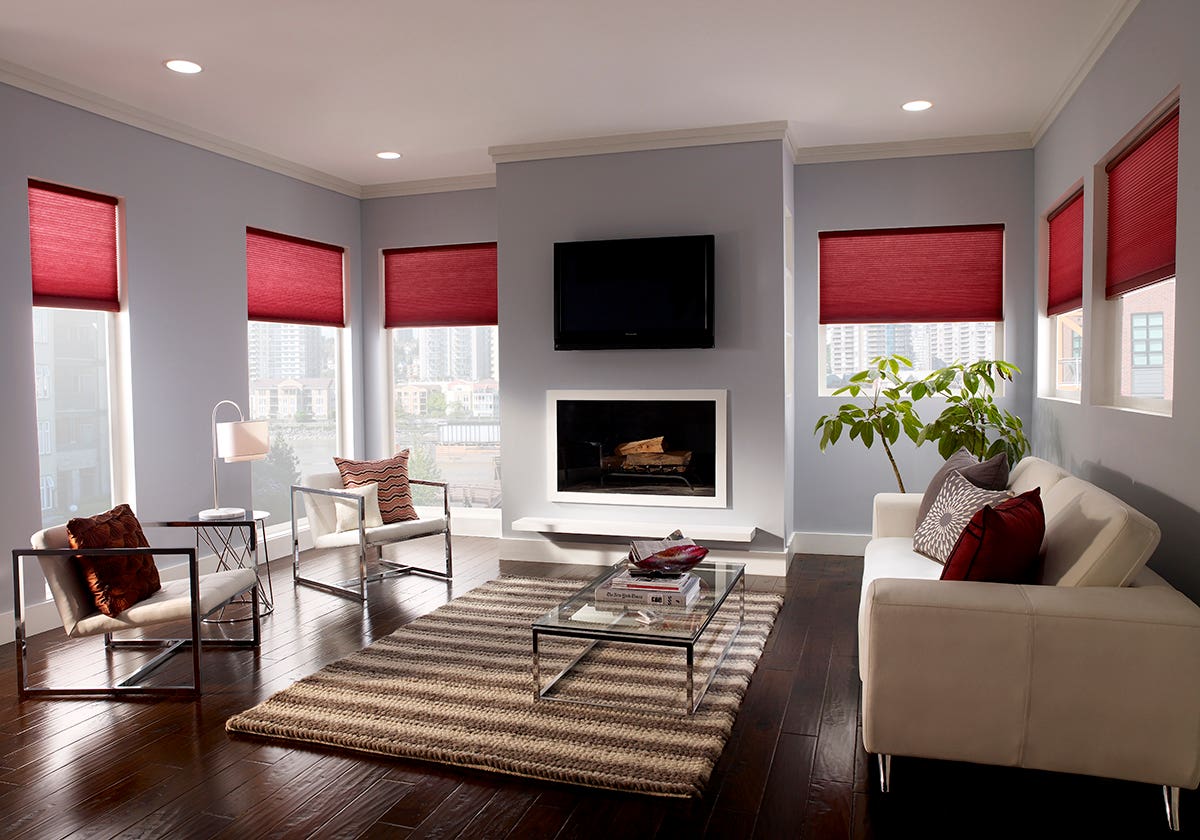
column 885, row 772
column 1171, row 798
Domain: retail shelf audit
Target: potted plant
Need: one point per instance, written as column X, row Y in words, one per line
column 889, row 413
column 971, row 418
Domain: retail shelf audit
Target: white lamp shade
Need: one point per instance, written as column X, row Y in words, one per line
column 243, row 440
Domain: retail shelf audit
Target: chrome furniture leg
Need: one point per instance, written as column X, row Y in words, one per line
column 1171, row 799
column 885, row 772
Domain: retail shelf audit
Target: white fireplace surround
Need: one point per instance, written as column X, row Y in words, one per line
column 718, row 500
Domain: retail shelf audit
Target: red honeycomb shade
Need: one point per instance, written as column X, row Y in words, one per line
column 440, row 286
column 912, row 275
column 293, row 280
column 73, row 248
column 1064, row 290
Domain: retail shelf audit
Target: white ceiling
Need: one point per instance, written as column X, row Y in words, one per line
column 320, row 86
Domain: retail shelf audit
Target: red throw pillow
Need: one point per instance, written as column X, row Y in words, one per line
column 391, row 474
column 117, row 583
column 1001, row 544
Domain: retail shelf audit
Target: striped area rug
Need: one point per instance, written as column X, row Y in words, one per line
column 455, row 687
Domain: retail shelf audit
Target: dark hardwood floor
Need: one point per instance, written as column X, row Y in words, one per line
column 794, row 766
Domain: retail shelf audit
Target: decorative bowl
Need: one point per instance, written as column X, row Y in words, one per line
column 676, row 559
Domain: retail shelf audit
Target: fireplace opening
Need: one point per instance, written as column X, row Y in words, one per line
column 637, row 447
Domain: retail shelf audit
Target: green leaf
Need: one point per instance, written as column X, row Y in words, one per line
column 825, row 438
column 861, row 376
column 868, row 435
column 971, row 381
column 837, row 431
column 947, row 446
column 918, row 390
column 904, row 360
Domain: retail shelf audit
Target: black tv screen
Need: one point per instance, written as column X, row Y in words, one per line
column 634, row 293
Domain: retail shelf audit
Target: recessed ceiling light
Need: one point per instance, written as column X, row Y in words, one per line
column 182, row 65
column 387, row 155
column 917, row 105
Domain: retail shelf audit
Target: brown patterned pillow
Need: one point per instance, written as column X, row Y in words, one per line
column 391, row 474
column 117, row 583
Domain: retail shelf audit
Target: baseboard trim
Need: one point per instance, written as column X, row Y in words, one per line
column 815, row 542
column 772, row 563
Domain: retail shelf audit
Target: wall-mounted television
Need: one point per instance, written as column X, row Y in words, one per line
column 655, row 292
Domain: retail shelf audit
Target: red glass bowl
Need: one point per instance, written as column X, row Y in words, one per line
column 678, row 558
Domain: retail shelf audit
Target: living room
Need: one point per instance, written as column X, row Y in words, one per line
column 185, row 207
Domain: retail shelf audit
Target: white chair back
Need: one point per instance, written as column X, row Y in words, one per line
column 321, row 510
column 71, row 597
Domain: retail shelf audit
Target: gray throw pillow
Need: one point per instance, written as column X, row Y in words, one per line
column 950, row 512
column 991, row 474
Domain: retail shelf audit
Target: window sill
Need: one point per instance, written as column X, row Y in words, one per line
column 1147, row 412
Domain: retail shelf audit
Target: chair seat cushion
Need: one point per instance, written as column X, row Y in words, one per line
column 171, row 603
column 116, row 583
column 383, row 534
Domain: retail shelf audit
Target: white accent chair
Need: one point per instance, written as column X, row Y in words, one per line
column 321, row 493
column 191, row 599
column 1096, row 672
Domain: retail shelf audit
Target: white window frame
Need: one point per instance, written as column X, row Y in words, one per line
column 1114, row 329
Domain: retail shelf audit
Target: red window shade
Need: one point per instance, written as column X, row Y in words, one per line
column 73, row 248
column 440, row 286
column 294, row 281
column 915, row 275
column 1143, row 185
column 1065, row 282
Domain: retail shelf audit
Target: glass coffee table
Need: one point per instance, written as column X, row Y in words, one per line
column 583, row 617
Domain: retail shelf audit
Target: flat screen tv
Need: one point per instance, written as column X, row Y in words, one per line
column 634, row 293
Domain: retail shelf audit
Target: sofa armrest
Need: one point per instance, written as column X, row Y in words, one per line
column 895, row 514
column 1103, row 681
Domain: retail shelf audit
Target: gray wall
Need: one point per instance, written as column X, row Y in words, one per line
column 185, row 212
column 407, row 222
column 1150, row 461
column 733, row 191
column 834, row 489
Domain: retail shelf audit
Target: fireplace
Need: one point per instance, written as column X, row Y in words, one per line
column 657, row 448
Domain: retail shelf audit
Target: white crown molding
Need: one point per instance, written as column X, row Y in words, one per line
column 68, row 94
column 914, row 148
column 482, row 181
column 1115, row 21
column 645, row 141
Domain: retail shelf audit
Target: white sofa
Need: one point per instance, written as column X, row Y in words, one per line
column 1097, row 671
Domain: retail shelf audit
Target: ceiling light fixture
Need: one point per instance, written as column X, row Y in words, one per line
column 182, row 65
column 917, row 105
column 387, row 155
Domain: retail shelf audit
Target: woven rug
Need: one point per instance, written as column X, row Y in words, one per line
column 455, row 687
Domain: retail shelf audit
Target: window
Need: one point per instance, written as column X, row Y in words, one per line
column 73, row 251
column 1064, row 294
column 441, row 315
column 934, row 295
column 1140, row 264
column 295, row 290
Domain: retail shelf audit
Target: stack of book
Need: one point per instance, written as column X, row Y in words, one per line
column 634, row 589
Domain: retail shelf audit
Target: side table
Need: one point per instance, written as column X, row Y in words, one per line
column 221, row 538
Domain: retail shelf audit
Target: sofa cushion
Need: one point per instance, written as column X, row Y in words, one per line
column 117, row 583
column 1092, row 537
column 991, row 474
column 1033, row 472
column 950, row 512
column 1001, row 543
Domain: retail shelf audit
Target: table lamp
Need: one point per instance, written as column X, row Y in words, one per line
column 239, row 440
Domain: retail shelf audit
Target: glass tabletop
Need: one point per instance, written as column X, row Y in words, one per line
column 586, row 614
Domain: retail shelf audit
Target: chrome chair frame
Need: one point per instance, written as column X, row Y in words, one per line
column 132, row 685
column 392, row 569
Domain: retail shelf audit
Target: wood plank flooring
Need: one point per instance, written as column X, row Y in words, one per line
column 794, row 766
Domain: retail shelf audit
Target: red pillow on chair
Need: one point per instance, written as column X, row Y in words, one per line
column 117, row 583
column 1001, row 544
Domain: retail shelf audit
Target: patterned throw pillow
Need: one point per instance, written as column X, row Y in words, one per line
column 991, row 474
column 117, row 583
column 391, row 474
column 950, row 512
